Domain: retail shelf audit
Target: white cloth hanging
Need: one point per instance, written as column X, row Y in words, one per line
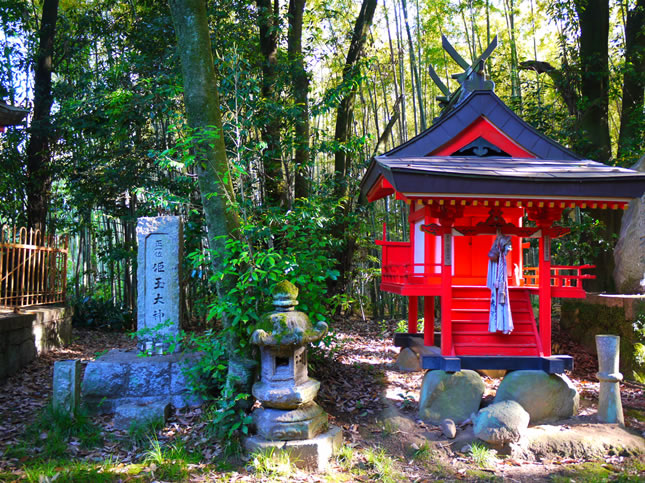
column 500, row 319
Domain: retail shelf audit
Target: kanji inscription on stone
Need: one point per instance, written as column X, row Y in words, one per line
column 159, row 296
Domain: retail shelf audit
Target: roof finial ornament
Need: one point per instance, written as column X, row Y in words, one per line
column 472, row 79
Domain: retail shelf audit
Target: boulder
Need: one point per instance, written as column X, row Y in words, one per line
column 629, row 254
column 501, row 423
column 450, row 395
column 546, row 397
column 408, row 360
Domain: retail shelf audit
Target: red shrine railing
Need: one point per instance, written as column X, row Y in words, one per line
column 397, row 269
column 564, row 278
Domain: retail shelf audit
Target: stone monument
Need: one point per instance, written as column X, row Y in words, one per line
column 289, row 419
column 159, row 305
column 141, row 389
column 610, row 407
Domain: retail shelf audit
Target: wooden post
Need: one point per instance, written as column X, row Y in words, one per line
column 545, row 294
column 428, row 320
column 446, row 292
column 413, row 314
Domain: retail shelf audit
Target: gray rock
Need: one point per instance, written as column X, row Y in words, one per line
column 448, row 428
column 629, row 254
column 450, row 395
column 128, row 414
column 501, row 423
column 408, row 360
column 67, row 386
column 546, row 397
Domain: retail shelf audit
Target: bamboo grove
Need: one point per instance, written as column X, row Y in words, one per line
column 309, row 91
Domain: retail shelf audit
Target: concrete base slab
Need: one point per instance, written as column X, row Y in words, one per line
column 313, row 454
column 123, row 377
column 141, row 414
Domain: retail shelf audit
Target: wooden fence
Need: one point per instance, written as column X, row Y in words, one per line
column 33, row 267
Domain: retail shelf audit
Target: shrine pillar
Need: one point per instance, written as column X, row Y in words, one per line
column 545, row 294
column 413, row 314
column 544, row 218
column 428, row 320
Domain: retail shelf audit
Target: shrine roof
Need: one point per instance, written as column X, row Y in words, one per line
column 524, row 177
column 10, row 115
column 479, row 104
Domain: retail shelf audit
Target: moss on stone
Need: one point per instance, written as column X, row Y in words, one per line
column 286, row 288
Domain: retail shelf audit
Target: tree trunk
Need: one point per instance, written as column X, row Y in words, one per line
column 39, row 147
column 593, row 16
column 300, row 94
column 345, row 112
column 274, row 183
column 343, row 158
column 203, row 113
column 631, row 140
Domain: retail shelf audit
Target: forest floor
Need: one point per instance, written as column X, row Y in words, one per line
column 373, row 403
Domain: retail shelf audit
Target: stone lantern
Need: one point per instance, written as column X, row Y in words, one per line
column 289, row 418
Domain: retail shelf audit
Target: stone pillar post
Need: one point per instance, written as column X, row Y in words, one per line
column 610, row 408
column 67, row 386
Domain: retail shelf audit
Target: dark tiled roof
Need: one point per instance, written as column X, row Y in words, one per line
column 505, row 176
column 477, row 104
column 10, row 115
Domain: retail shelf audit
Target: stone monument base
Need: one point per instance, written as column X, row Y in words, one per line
column 121, row 378
column 312, row 454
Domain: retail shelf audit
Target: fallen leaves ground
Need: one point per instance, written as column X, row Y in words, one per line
column 358, row 383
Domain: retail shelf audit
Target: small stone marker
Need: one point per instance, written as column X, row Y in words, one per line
column 159, row 296
column 67, row 386
column 610, row 407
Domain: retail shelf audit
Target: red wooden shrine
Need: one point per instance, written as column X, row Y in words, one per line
column 480, row 171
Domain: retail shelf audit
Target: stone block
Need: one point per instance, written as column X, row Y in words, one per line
column 546, row 397
column 287, row 396
column 501, row 423
column 450, row 395
column 302, row 423
column 149, row 378
column 67, row 386
column 181, row 401
column 18, row 336
column 27, row 352
column 312, row 454
column 179, row 377
column 141, row 413
column 105, row 379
